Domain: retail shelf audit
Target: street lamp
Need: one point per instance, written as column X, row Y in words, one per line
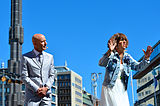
column 3, row 79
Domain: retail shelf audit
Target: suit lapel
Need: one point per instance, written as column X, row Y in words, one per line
column 44, row 58
column 35, row 59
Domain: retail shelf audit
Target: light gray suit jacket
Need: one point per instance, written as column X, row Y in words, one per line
column 35, row 75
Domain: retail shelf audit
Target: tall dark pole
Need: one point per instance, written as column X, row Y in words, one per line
column 14, row 97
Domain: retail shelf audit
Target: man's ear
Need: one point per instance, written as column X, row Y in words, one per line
column 34, row 43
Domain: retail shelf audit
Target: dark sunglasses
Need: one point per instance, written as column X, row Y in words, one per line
column 122, row 39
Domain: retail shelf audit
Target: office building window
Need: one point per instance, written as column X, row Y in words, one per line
column 78, row 100
column 78, row 87
column 149, row 78
column 77, row 80
column 53, row 105
column 23, row 87
column 7, row 90
column 60, row 84
column 145, row 79
column 53, row 98
column 60, row 77
column 54, row 83
column 78, row 93
column 67, row 76
column 53, row 90
column 139, row 94
column 63, row 83
column 72, row 84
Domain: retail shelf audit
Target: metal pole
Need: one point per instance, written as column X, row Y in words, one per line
column 3, row 96
column 91, row 85
column 132, row 87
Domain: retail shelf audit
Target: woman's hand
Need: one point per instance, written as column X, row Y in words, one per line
column 148, row 52
column 111, row 45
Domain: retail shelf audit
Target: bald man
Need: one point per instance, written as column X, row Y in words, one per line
column 38, row 73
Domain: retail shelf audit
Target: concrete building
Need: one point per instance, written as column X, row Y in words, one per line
column 69, row 87
column 9, row 78
column 54, row 93
column 89, row 100
column 146, row 90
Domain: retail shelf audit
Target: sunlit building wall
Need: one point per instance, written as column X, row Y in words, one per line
column 69, row 87
column 146, row 87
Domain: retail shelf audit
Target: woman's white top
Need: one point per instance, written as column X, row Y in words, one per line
column 116, row 96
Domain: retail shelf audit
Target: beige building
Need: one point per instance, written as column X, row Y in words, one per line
column 69, row 87
column 147, row 93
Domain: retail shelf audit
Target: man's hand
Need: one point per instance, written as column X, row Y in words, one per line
column 39, row 92
column 42, row 91
column 148, row 52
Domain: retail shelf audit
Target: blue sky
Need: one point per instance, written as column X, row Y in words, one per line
column 78, row 30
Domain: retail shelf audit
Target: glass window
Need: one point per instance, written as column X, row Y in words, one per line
column 23, row 87
column 77, row 80
column 149, row 78
column 78, row 93
column 60, row 84
column 77, row 86
column 72, row 84
column 53, row 98
column 78, row 100
column 139, row 94
column 7, row 90
column 53, row 90
column 53, row 104
column 155, row 52
column 67, row 76
column 54, row 83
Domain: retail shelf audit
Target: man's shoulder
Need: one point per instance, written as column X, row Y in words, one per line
column 27, row 54
column 48, row 54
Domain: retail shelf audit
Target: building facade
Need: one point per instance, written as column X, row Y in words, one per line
column 87, row 99
column 69, row 86
column 54, row 93
column 148, row 82
column 6, row 79
column 90, row 100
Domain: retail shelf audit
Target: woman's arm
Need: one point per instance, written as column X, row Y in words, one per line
column 139, row 65
column 104, row 60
